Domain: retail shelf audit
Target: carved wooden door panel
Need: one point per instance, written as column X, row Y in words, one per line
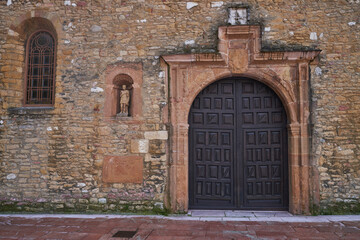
column 212, row 133
column 237, row 147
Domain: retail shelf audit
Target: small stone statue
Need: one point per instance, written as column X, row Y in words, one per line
column 124, row 100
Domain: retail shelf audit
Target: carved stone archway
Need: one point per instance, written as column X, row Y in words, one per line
column 287, row 73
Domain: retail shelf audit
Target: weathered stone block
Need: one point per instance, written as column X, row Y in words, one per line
column 157, row 146
column 140, row 146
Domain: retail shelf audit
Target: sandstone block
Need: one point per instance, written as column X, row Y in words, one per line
column 123, row 169
column 156, row 135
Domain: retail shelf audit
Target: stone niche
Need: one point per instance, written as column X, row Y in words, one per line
column 119, row 81
column 117, row 75
column 286, row 72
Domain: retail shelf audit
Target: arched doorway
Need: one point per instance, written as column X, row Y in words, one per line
column 238, row 147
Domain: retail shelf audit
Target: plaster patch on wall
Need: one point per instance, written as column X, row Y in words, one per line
column 9, row 2
column 102, row 200
column 49, row 129
column 291, row 33
column 66, row 41
column 11, row 176
column 313, row 36
column 95, row 28
column 13, row 33
column 267, row 29
column 159, row 205
column 189, row 42
column 217, row 4
column 351, row 23
column 67, row 3
column 81, row 184
column 97, row 89
column 161, row 74
column 321, row 35
column 190, row 5
column 142, row 20
column 318, row 71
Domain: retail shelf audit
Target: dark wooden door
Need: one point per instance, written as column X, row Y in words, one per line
column 238, row 147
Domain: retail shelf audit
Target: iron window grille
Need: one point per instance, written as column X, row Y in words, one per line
column 40, row 69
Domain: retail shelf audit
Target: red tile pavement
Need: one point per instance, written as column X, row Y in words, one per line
column 13, row 227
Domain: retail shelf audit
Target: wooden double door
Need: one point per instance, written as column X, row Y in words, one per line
column 238, row 147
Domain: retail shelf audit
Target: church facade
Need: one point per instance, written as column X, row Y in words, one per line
column 117, row 106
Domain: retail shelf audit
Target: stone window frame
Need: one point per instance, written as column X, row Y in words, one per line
column 28, row 66
column 19, row 31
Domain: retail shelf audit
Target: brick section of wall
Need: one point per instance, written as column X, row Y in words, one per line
column 52, row 159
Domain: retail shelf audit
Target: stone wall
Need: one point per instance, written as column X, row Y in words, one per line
column 53, row 158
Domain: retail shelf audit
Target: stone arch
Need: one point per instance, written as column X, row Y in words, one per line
column 53, row 21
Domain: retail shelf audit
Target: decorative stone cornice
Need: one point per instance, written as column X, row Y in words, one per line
column 247, row 39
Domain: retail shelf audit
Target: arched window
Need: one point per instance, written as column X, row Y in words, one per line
column 40, row 69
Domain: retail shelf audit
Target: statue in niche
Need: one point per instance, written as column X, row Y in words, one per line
column 124, row 101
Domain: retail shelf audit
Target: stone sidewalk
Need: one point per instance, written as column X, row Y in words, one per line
column 196, row 225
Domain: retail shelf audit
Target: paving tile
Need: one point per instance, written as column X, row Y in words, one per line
column 237, row 219
column 271, row 228
column 207, row 213
column 271, row 235
column 306, row 229
column 6, row 233
column 309, row 235
column 294, row 219
column 150, row 227
column 338, row 218
column 328, row 228
column 283, row 214
column 351, row 223
column 92, row 236
column 207, row 219
column 239, row 214
column 351, row 236
column 57, row 235
column 264, row 214
column 188, row 218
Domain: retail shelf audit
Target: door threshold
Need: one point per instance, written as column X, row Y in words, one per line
column 237, row 213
